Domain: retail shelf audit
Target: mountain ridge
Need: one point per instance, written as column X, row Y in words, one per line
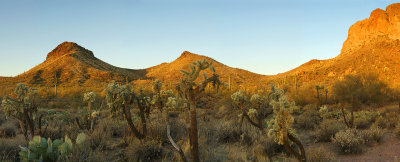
column 373, row 45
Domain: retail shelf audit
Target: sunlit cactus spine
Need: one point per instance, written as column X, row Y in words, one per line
column 120, row 99
column 280, row 127
column 90, row 97
column 23, row 108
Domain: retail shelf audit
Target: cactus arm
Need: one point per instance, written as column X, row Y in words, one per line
column 258, row 125
column 128, row 117
column 174, row 144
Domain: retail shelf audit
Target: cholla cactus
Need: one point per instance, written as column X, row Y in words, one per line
column 121, row 99
column 161, row 98
column 157, row 85
column 90, row 98
column 238, row 98
column 23, row 107
column 190, row 90
column 323, row 111
column 255, row 111
column 280, row 127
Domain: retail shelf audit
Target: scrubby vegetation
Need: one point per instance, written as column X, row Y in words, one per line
column 200, row 119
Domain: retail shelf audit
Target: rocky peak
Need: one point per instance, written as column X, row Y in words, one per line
column 68, row 48
column 379, row 23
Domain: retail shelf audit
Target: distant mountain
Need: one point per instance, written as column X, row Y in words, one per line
column 372, row 45
column 70, row 65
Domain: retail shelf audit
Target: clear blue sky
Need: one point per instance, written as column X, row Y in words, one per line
column 266, row 37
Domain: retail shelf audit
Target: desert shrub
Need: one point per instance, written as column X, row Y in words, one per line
column 327, row 129
column 373, row 134
column 319, row 154
column 309, row 119
column 100, row 136
column 228, row 135
column 85, row 153
column 388, row 120
column 376, row 91
column 396, row 131
column 364, row 119
column 9, row 148
column 267, row 147
column 8, row 129
column 349, row 141
column 150, row 151
column 305, row 95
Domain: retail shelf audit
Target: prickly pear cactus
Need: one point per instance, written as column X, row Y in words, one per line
column 43, row 150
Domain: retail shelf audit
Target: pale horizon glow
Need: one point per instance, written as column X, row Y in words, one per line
column 265, row 37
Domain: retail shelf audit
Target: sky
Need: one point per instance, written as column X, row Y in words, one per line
column 262, row 36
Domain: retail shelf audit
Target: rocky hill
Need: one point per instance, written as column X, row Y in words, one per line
column 372, row 46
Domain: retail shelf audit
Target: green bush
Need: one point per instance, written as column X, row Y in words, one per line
column 327, row 129
column 349, row 141
column 319, row 154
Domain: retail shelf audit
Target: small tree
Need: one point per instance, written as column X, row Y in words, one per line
column 350, row 90
column 280, row 127
column 23, row 108
column 190, row 90
column 120, row 99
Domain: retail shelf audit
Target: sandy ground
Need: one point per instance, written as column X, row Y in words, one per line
column 387, row 150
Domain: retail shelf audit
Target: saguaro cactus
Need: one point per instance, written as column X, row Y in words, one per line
column 121, row 98
column 23, row 107
column 190, row 90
